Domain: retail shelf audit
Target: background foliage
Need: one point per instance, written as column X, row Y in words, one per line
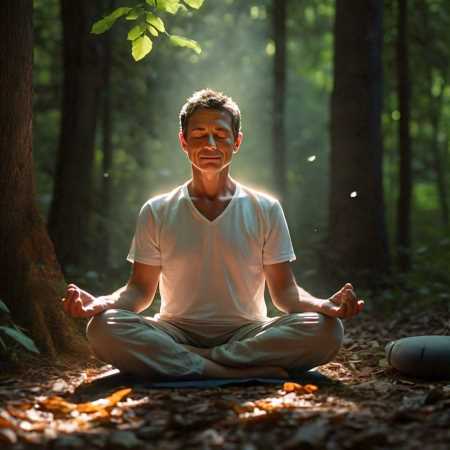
column 236, row 58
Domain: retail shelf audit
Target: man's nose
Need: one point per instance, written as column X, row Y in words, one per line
column 211, row 141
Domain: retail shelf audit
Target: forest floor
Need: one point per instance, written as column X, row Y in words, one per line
column 367, row 405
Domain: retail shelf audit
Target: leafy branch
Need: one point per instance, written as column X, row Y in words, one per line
column 148, row 24
column 8, row 328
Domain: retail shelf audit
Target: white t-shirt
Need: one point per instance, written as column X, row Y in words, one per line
column 212, row 270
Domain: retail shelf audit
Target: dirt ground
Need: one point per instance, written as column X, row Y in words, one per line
column 366, row 405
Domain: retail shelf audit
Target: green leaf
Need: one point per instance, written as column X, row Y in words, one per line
column 135, row 13
column 107, row 22
column 196, row 4
column 135, row 32
column 119, row 12
column 141, row 47
column 101, row 26
column 150, row 2
column 170, row 6
column 152, row 30
column 156, row 22
column 185, row 42
column 4, row 308
column 21, row 338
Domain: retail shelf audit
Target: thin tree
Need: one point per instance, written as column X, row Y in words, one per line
column 71, row 209
column 438, row 158
column 30, row 278
column 437, row 68
column 107, row 150
column 404, row 140
column 357, row 234
column 279, row 96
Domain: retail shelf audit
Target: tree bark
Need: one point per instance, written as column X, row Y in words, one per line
column 71, row 207
column 107, row 150
column 404, row 139
column 357, row 246
column 30, row 278
column 435, row 117
column 279, row 95
column 438, row 166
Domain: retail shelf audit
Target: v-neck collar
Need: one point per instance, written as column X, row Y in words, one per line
column 200, row 214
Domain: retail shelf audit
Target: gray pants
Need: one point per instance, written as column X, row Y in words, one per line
column 150, row 346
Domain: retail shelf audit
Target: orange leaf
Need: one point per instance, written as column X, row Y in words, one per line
column 292, row 387
column 104, row 403
column 58, row 404
column 295, row 387
column 310, row 388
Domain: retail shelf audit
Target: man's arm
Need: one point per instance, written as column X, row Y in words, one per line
column 288, row 297
column 136, row 295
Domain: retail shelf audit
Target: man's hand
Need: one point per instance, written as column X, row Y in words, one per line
column 343, row 304
column 79, row 303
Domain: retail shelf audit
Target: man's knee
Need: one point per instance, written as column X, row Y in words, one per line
column 100, row 325
column 327, row 339
column 332, row 330
column 325, row 333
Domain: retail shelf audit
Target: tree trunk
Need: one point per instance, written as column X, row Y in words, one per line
column 71, row 207
column 107, row 150
column 438, row 166
column 30, row 278
column 405, row 175
column 279, row 95
column 357, row 244
column 435, row 117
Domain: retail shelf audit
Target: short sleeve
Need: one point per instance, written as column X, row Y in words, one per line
column 145, row 244
column 277, row 244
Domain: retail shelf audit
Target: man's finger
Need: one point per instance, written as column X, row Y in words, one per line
column 347, row 301
column 71, row 307
column 70, row 299
column 72, row 294
column 343, row 310
column 348, row 290
column 75, row 307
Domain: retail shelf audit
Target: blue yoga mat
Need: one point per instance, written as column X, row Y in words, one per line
column 208, row 384
column 116, row 378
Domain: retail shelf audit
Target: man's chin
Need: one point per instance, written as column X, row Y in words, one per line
column 210, row 166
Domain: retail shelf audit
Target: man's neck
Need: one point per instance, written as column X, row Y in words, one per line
column 211, row 186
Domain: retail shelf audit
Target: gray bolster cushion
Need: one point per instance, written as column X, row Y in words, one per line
column 421, row 356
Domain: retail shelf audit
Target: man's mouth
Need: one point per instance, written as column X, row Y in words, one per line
column 209, row 157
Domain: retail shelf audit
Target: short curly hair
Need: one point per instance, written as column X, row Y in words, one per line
column 210, row 99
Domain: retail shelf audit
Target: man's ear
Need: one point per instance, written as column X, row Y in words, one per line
column 238, row 142
column 182, row 141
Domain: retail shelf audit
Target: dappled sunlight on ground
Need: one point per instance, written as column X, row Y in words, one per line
column 365, row 404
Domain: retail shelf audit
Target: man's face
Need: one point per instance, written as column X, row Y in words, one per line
column 209, row 142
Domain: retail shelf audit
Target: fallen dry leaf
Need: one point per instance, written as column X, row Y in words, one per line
column 7, row 435
column 295, row 387
column 58, row 404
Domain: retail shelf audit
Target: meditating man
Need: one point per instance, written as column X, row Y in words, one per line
column 212, row 244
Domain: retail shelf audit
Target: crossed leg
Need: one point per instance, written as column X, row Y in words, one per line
column 132, row 344
column 293, row 341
